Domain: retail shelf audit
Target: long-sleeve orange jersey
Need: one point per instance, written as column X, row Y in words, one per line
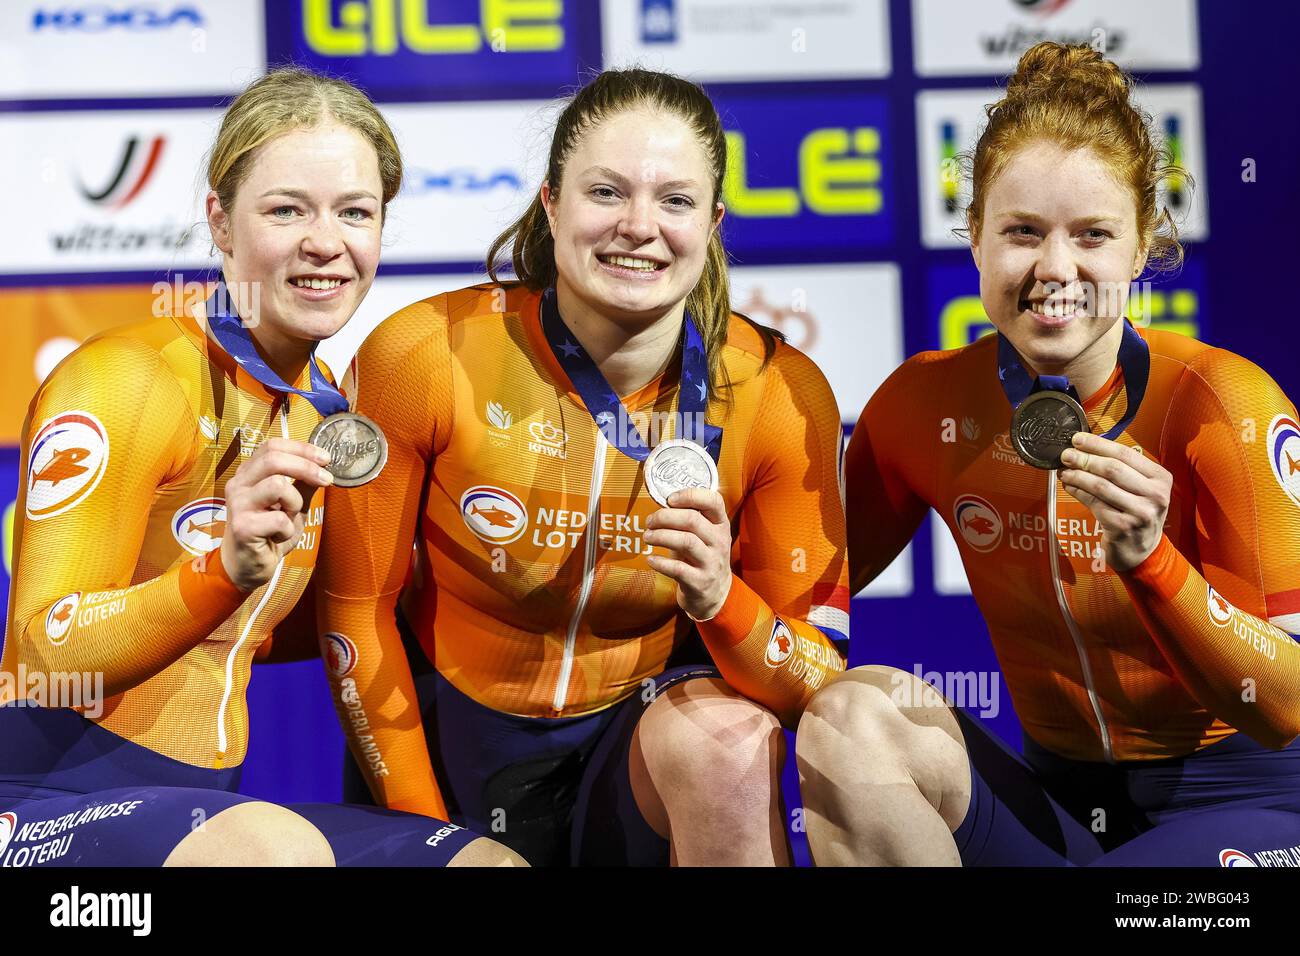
column 531, row 592
column 128, row 447
column 1170, row 657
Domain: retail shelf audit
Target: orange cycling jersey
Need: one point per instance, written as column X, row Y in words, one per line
column 531, row 592
column 1158, row 662
column 128, row 447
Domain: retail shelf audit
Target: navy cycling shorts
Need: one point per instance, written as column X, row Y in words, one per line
column 554, row 790
column 75, row 794
column 1234, row 803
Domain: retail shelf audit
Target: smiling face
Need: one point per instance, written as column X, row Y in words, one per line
column 1057, row 248
column 633, row 217
column 305, row 228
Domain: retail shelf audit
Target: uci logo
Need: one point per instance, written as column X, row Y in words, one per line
column 839, row 175
column 375, row 27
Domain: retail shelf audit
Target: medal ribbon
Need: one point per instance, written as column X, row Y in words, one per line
column 1134, row 361
column 233, row 336
column 602, row 401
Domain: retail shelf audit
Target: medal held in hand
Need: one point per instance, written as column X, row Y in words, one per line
column 356, row 446
column 677, row 464
column 1044, row 425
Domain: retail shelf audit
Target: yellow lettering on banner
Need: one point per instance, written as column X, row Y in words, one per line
column 826, row 168
column 741, row 199
column 377, row 27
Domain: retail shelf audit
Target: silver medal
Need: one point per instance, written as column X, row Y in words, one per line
column 357, row 448
column 677, row 464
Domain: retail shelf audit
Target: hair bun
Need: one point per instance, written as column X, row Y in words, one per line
column 1050, row 67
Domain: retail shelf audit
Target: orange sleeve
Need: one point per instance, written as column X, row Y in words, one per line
column 1217, row 621
column 403, row 383
column 111, row 421
column 885, row 509
column 783, row 629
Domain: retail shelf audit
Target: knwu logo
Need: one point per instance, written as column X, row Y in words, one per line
column 548, row 439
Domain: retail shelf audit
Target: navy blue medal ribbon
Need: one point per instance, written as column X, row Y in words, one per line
column 1134, row 361
column 233, row 336
column 603, row 403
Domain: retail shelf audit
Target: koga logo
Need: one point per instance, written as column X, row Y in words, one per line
column 658, row 21
column 100, row 18
column 493, row 514
column 8, row 827
column 498, row 417
column 249, row 438
column 758, row 308
column 69, row 456
column 978, row 521
column 1003, row 451
column 1230, row 857
column 548, row 439
column 780, row 646
column 200, row 525
column 1218, row 607
column 421, row 182
column 506, row 26
column 339, row 652
column 134, row 170
column 60, row 617
column 1284, row 454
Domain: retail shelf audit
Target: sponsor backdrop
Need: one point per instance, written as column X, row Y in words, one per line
column 844, row 119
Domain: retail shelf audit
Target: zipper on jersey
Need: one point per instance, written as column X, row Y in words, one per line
column 588, row 569
column 248, row 628
column 1070, row 623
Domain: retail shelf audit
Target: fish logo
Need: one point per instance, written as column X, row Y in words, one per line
column 1284, row 454
column 68, row 458
column 8, row 827
column 58, row 621
column 200, row 525
column 780, row 646
column 493, row 514
column 339, row 652
column 1218, row 607
column 978, row 522
column 1230, row 857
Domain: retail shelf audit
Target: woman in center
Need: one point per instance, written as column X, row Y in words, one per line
column 587, row 673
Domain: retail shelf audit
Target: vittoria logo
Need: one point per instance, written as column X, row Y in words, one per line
column 139, row 161
column 59, row 619
column 780, row 646
column 200, row 525
column 339, row 652
column 978, row 521
column 493, row 514
column 68, row 458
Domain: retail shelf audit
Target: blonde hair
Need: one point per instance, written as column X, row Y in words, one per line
column 1075, row 98
column 292, row 98
column 531, row 247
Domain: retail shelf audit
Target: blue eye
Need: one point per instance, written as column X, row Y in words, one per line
column 279, row 209
column 361, row 214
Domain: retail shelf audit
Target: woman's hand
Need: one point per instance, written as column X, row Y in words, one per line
column 695, row 530
column 1127, row 492
column 264, row 508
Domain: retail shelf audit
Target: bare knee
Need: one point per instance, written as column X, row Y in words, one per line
column 253, row 834
column 706, row 744
column 873, row 710
column 485, row 852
